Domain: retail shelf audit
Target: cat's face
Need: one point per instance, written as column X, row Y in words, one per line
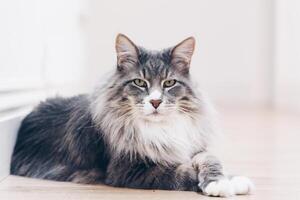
column 155, row 85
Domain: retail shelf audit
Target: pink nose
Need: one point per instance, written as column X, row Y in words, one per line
column 155, row 102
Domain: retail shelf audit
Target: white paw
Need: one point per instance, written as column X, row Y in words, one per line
column 229, row 187
column 221, row 188
column 242, row 185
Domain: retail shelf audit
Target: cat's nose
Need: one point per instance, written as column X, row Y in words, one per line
column 155, row 102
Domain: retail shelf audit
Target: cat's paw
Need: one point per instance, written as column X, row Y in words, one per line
column 237, row 185
column 220, row 188
column 242, row 185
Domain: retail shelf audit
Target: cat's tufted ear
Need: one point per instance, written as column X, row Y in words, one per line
column 181, row 54
column 127, row 52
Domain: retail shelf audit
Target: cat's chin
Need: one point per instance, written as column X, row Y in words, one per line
column 154, row 117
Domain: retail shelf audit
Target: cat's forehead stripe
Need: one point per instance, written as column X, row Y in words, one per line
column 155, row 68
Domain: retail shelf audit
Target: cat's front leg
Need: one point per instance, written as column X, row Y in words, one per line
column 123, row 173
column 213, row 182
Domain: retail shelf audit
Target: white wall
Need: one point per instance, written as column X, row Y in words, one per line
column 40, row 43
column 70, row 44
column 287, row 60
column 41, row 51
column 234, row 40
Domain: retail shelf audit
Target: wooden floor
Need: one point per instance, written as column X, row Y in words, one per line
column 261, row 144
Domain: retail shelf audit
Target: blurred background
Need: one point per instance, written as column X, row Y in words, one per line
column 247, row 52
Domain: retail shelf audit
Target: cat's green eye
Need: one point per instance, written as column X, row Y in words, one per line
column 169, row 83
column 140, row 82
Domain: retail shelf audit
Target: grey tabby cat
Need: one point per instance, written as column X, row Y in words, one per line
column 146, row 127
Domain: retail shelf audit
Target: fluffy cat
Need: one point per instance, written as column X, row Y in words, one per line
column 146, row 127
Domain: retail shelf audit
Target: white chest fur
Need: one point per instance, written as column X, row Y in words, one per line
column 172, row 141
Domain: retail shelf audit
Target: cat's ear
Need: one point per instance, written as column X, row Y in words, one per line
column 127, row 52
column 181, row 54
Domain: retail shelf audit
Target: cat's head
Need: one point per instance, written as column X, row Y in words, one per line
column 155, row 84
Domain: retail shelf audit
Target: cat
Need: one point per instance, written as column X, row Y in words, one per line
column 146, row 127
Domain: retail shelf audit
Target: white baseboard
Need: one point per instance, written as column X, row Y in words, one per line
column 8, row 133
